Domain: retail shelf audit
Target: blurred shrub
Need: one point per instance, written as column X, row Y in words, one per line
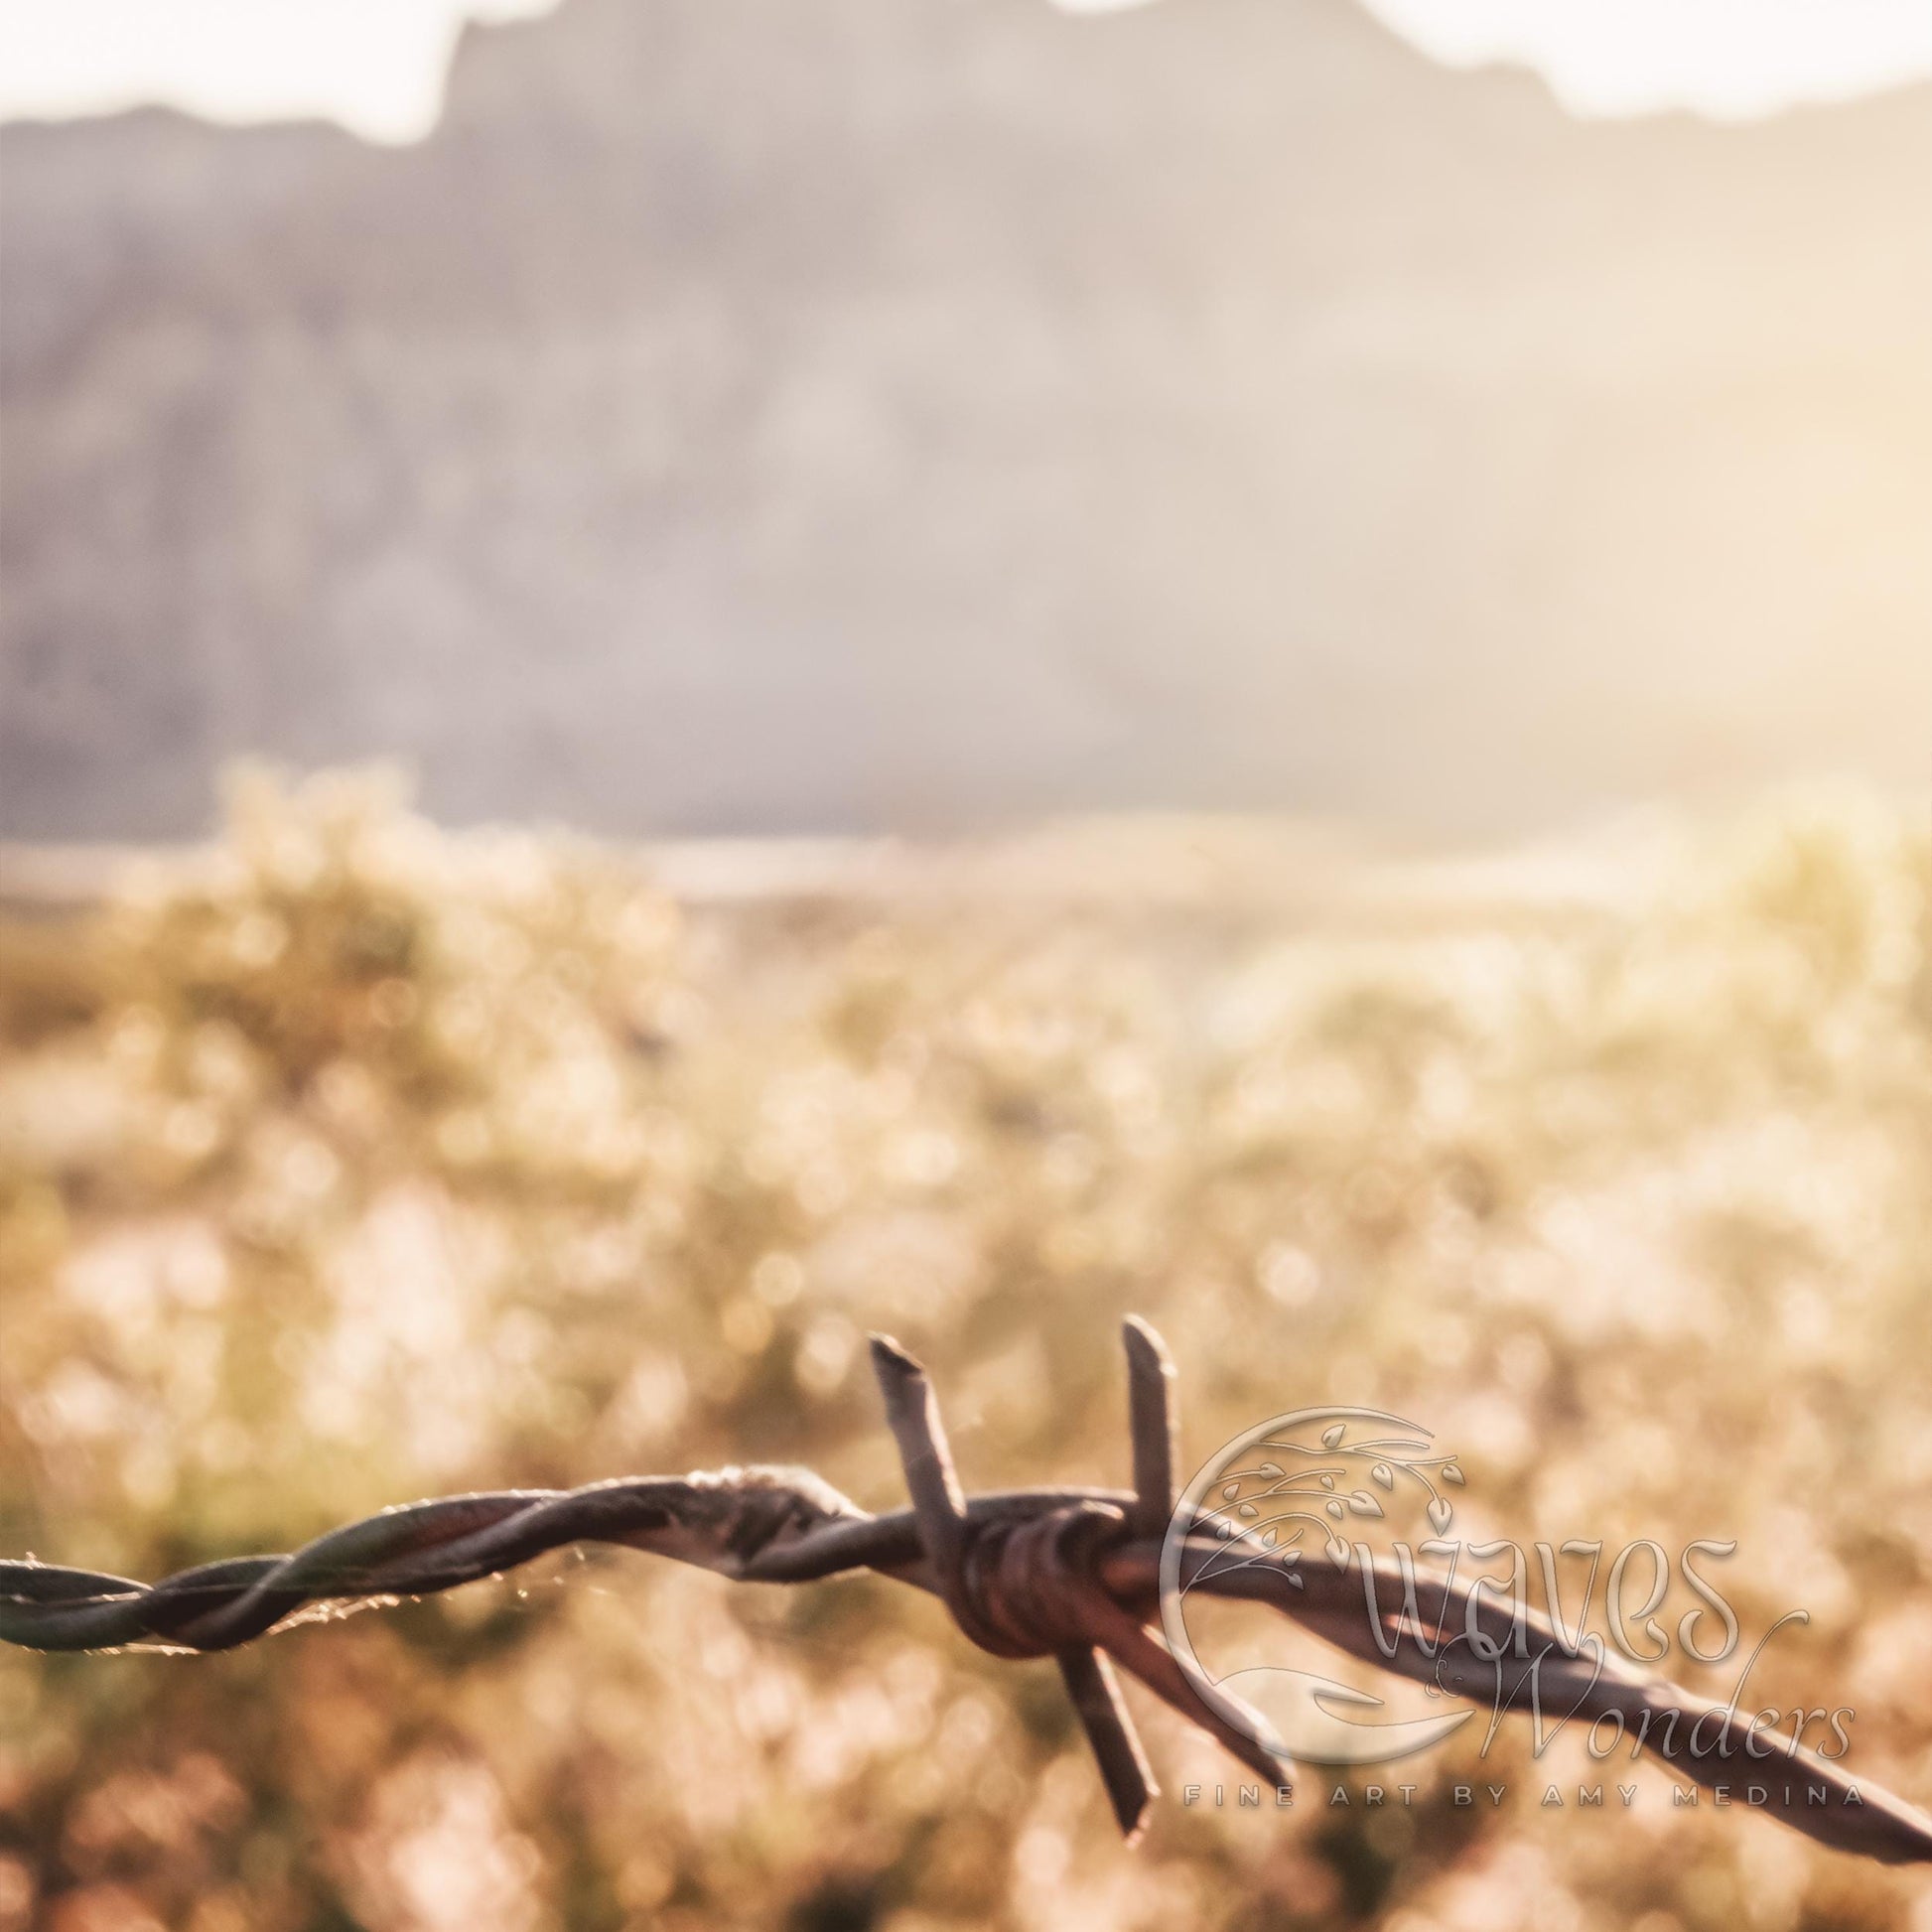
column 352, row 1160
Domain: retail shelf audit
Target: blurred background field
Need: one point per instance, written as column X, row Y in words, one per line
column 1019, row 542
column 345, row 1159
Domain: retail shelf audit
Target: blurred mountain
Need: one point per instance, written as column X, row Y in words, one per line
column 766, row 415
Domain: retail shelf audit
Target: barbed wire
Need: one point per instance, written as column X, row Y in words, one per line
column 1070, row 1573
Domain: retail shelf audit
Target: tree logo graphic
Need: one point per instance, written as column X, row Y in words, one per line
column 1284, row 1494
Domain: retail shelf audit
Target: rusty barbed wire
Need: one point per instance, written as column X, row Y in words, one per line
column 1069, row 1573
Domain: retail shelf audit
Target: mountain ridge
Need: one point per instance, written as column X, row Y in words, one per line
column 746, row 418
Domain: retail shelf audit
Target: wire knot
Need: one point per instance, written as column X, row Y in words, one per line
column 1029, row 1588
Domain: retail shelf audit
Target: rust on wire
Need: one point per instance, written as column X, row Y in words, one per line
column 1072, row 1573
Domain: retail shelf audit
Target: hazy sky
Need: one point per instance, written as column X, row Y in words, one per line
column 379, row 65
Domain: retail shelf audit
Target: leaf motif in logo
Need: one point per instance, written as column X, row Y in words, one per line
column 1333, row 1509
column 1248, row 1509
column 1450, row 1474
column 1231, row 1492
column 1384, row 1475
column 1440, row 1514
column 1363, row 1504
column 1328, row 1482
column 1331, row 1435
column 1337, row 1553
column 1271, row 1468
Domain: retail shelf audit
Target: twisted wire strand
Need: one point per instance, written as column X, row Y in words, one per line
column 1553, row 1683
column 760, row 1524
column 785, row 1526
column 1069, row 1571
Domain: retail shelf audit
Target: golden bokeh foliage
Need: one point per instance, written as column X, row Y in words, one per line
column 350, row 1162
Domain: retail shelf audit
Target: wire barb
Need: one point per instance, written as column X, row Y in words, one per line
column 1153, row 1423
column 938, row 1504
column 1015, row 1592
column 1095, row 1690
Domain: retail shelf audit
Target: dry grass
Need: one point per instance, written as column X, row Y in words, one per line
column 360, row 1161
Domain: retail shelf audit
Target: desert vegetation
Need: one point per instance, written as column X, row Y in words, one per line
column 350, row 1161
